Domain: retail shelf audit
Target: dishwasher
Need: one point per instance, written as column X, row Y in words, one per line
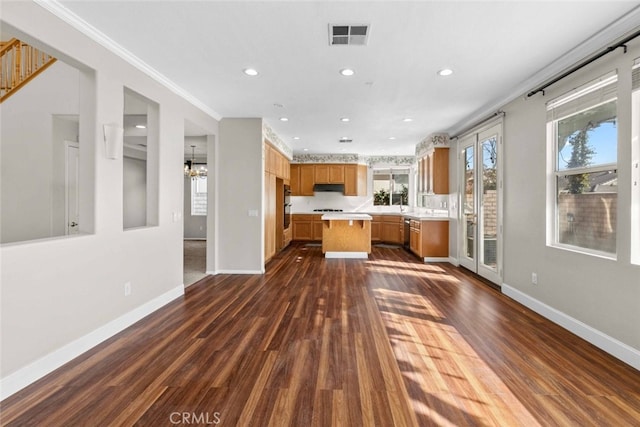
column 407, row 234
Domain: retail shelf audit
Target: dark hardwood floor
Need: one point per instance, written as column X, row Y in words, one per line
column 387, row 341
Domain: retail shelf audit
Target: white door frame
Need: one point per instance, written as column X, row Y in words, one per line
column 475, row 139
column 68, row 216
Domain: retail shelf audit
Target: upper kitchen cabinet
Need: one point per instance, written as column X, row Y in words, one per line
column 433, row 172
column 275, row 162
column 355, row 180
column 305, row 176
column 440, row 171
column 302, row 179
column 329, row 174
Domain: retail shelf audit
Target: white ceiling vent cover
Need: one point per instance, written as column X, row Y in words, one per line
column 348, row 34
column 345, row 140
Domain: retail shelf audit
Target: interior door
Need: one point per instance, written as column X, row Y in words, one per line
column 72, row 199
column 481, row 205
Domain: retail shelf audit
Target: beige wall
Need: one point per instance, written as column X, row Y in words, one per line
column 58, row 291
column 240, row 174
column 601, row 293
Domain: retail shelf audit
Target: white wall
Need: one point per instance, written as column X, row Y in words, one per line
column 240, row 170
column 602, row 294
column 57, row 293
column 27, row 143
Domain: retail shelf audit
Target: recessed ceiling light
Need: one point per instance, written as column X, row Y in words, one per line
column 296, row 138
column 250, row 71
column 305, row 149
column 344, row 119
column 445, row 72
column 347, row 72
column 284, row 119
column 392, row 138
column 141, row 126
column 407, row 119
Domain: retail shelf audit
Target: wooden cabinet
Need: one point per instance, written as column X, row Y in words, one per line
column 433, row 172
column 269, row 215
column 317, row 229
column 355, row 180
column 306, row 227
column 439, row 168
column 276, row 174
column 301, row 179
column 429, row 239
column 287, row 237
column 294, row 179
column 306, row 180
column 392, row 230
column 376, row 228
column 329, row 174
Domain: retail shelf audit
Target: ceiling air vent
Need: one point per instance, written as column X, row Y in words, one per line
column 354, row 35
column 345, row 140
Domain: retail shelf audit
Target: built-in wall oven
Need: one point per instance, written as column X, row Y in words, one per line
column 287, row 206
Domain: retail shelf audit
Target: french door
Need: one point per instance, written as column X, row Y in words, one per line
column 481, row 204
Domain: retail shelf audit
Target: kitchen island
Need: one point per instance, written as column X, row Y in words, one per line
column 346, row 235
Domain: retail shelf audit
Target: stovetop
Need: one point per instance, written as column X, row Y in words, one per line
column 327, row 210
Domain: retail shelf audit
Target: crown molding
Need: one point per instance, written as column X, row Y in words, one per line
column 60, row 11
column 600, row 40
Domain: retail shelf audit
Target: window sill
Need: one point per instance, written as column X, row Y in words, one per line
column 584, row 251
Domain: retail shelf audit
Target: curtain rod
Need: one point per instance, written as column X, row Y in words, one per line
column 610, row 49
column 478, row 124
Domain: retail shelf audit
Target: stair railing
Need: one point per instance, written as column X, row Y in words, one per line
column 19, row 63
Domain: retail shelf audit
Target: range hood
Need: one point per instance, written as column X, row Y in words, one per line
column 333, row 188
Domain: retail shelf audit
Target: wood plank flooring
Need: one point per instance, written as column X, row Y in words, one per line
column 387, row 341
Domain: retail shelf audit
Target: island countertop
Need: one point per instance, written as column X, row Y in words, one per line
column 346, row 217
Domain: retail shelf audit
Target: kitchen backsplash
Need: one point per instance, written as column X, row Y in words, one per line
column 305, row 204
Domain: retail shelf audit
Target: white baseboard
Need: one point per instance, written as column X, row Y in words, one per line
column 338, row 254
column 52, row 361
column 238, row 272
column 601, row 340
column 435, row 259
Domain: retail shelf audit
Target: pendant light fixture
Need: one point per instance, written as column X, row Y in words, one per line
column 190, row 169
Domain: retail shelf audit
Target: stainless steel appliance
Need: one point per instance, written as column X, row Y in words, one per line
column 287, row 206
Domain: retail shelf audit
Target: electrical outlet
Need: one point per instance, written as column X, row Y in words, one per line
column 127, row 289
column 534, row 278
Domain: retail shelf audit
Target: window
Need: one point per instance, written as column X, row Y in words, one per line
column 582, row 128
column 199, row 196
column 390, row 187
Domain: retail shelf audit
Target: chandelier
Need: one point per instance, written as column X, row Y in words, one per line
column 191, row 170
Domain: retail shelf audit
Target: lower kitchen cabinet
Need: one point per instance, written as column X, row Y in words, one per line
column 392, row 230
column 306, row 227
column 429, row 239
column 376, row 228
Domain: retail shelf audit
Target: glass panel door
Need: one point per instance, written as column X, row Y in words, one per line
column 480, row 204
column 489, row 200
column 468, row 204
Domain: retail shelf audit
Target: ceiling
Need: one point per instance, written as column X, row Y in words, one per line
column 492, row 47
